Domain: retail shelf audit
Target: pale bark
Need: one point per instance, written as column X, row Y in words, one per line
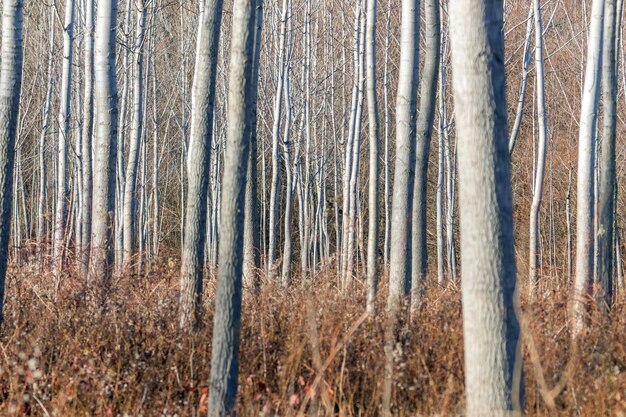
column 64, row 128
column 586, row 158
column 372, row 112
column 10, row 88
column 105, row 146
column 533, row 261
column 86, row 133
column 129, row 209
column 227, row 320
column 400, row 250
column 424, row 127
column 202, row 108
column 607, row 181
column 490, row 327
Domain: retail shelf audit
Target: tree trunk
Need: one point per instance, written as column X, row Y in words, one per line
column 105, row 143
column 10, row 88
column 64, row 130
column 586, row 158
column 490, row 326
column 425, row 120
column 130, row 186
column 202, row 108
column 533, row 261
column 227, row 320
column 372, row 111
column 606, row 187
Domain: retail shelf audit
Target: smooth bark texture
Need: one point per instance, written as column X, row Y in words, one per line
column 490, row 327
column 586, row 160
column 227, row 320
column 540, row 89
column 606, row 160
column 202, row 108
column 428, row 95
column 372, row 112
column 105, row 146
column 10, row 89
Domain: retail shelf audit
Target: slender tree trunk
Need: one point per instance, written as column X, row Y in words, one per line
column 528, row 53
column 203, row 103
column 490, row 326
column 60, row 216
column 227, row 320
column 130, row 227
column 10, row 89
column 105, row 143
column 252, row 233
column 275, row 180
column 43, row 180
column 425, row 120
column 606, row 187
column 586, row 158
column 400, row 259
column 372, row 111
column 87, row 131
column 533, row 261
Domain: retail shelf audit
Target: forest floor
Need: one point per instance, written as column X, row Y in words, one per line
column 61, row 356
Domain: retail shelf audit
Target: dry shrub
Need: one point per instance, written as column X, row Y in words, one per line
column 64, row 356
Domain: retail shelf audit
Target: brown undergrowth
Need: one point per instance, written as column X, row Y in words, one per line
column 305, row 351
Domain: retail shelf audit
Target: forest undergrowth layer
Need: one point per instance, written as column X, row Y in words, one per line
column 305, row 351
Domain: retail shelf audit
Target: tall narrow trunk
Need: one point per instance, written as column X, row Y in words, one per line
column 425, row 120
column 227, row 320
column 64, row 130
column 490, row 327
column 202, row 108
column 43, row 180
column 105, row 143
column 275, row 180
column 533, row 261
column 400, row 256
column 606, row 187
column 586, row 158
column 87, row 131
column 130, row 186
column 252, row 233
column 372, row 112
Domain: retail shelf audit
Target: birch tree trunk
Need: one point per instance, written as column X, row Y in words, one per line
column 130, row 186
column 533, row 261
column 64, row 129
column 606, row 187
column 425, row 120
column 202, row 108
column 227, row 320
column 105, row 143
column 10, row 88
column 372, row 112
column 585, row 181
column 490, row 327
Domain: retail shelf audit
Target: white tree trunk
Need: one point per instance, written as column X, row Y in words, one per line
column 105, row 141
column 64, row 129
column 490, row 327
column 533, row 261
column 586, row 158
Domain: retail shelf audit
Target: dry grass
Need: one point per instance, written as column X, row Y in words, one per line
column 66, row 358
